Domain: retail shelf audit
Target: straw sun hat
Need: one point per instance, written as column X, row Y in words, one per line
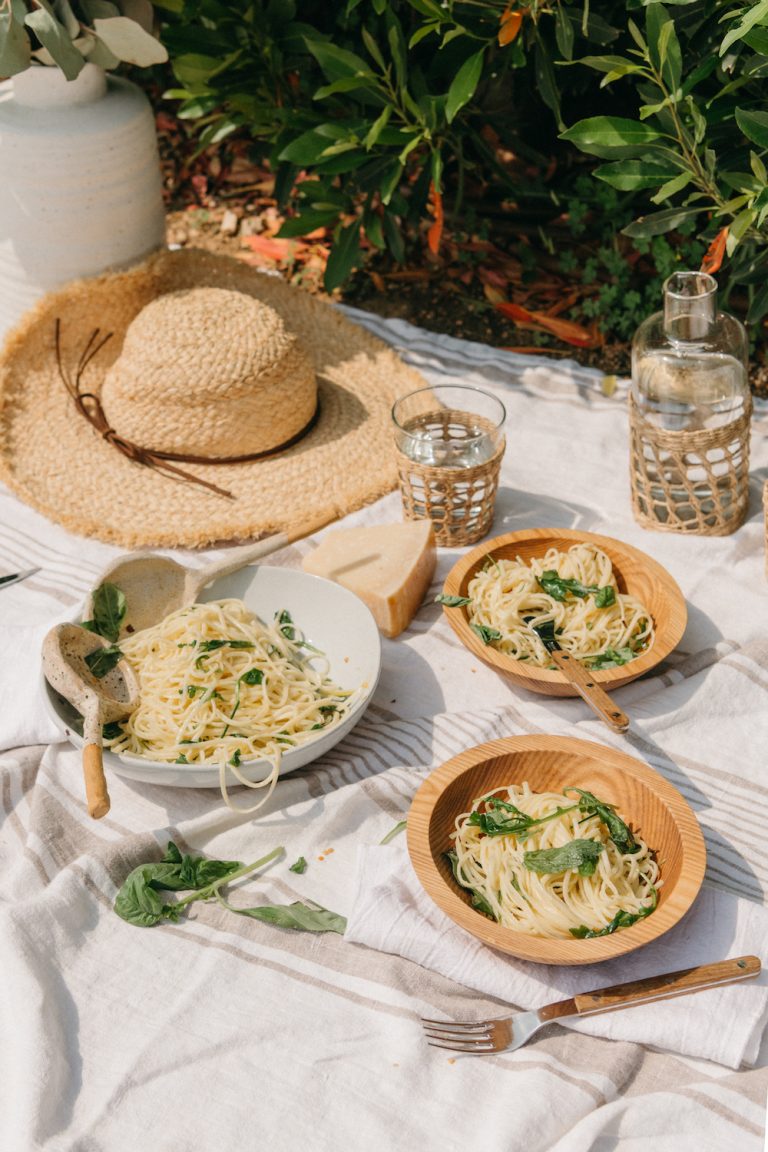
column 224, row 405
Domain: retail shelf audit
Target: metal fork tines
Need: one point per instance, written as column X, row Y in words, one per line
column 478, row 1037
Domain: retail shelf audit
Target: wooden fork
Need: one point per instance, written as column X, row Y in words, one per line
column 511, row 1032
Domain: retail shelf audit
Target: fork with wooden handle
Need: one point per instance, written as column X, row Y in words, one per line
column 581, row 679
column 512, row 1032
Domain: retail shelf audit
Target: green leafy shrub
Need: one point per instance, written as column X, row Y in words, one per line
column 369, row 111
column 697, row 142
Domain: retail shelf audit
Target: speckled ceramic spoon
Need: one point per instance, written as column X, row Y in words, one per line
column 154, row 586
column 99, row 700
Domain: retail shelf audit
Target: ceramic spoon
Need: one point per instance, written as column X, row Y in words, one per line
column 154, row 586
column 99, row 701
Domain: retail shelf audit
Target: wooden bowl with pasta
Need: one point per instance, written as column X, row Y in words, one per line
column 636, row 587
column 655, row 813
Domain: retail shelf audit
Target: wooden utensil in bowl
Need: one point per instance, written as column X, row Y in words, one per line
column 635, row 573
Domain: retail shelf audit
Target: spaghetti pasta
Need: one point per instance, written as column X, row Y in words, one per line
column 219, row 686
column 553, row 864
column 576, row 590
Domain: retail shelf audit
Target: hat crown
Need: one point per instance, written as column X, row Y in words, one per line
column 209, row 372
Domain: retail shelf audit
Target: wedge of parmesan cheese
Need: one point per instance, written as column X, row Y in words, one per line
column 389, row 566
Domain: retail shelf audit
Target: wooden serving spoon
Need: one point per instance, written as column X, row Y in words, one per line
column 154, row 586
column 582, row 679
column 98, row 700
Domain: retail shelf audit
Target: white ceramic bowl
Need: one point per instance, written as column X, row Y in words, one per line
column 332, row 618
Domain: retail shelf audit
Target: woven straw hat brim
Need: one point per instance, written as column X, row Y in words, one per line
column 53, row 459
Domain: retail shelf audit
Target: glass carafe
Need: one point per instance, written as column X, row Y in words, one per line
column 690, row 408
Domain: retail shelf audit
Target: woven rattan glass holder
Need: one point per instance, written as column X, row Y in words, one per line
column 690, row 481
column 448, row 460
column 689, row 414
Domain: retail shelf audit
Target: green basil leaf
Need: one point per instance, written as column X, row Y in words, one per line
column 487, row 635
column 610, row 658
column 398, row 828
column 622, row 919
column 618, row 831
column 298, row 916
column 103, row 660
column 300, row 866
column 252, row 676
column 579, row 854
column 108, row 612
column 558, row 586
column 453, row 601
column 605, row 597
column 478, row 901
column 137, row 901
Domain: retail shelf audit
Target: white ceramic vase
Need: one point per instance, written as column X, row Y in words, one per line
column 80, row 184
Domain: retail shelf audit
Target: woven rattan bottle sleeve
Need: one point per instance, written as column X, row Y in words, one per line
column 695, row 482
column 458, row 501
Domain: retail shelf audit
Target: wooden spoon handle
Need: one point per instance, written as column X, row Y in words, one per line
column 246, row 555
column 96, row 793
column 590, row 691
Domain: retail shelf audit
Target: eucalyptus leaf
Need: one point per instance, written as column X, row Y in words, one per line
column 55, row 38
column 632, row 175
column 15, row 49
column 129, row 42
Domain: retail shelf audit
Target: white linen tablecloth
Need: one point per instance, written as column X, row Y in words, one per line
column 223, row 1032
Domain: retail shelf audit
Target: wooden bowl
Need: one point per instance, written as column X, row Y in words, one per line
column 635, row 573
column 644, row 799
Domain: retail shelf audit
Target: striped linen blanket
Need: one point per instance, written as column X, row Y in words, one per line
column 220, row 1032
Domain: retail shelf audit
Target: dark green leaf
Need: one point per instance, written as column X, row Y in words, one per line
column 112, row 731
column 660, row 222
column 663, row 45
column 754, row 125
column 618, row 831
column 108, row 611
column 751, row 16
column 103, row 660
column 611, row 137
column 581, row 855
column 564, row 34
column 605, row 597
column 632, row 175
column 299, row 866
column 463, row 85
column 558, row 587
column 336, row 62
column 452, row 601
column 487, row 635
column 345, row 255
column 300, row 917
column 252, row 676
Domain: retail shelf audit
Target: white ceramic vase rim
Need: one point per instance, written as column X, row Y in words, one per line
column 42, row 86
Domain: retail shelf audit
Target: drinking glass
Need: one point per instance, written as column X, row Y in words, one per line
column 450, row 443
